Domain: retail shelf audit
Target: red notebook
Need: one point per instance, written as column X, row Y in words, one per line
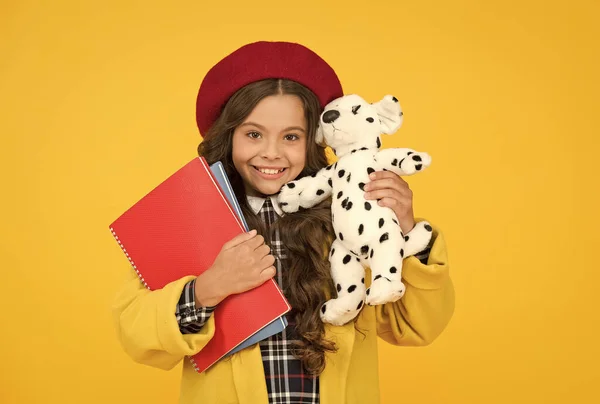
column 178, row 229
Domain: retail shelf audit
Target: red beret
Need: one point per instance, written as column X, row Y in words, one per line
column 258, row 61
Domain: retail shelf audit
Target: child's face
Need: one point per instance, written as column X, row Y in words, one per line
column 269, row 147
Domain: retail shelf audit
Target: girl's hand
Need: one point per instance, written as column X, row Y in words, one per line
column 393, row 192
column 244, row 263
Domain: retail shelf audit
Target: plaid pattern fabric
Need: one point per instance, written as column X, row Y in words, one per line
column 423, row 256
column 287, row 383
column 190, row 318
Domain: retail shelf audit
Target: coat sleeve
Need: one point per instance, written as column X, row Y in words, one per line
column 147, row 327
column 427, row 306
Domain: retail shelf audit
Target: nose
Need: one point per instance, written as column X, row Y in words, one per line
column 271, row 150
column 330, row 116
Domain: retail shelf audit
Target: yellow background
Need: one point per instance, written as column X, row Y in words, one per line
column 97, row 105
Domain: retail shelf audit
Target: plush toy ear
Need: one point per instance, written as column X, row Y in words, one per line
column 390, row 114
column 319, row 137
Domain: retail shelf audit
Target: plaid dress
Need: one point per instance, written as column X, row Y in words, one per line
column 287, row 383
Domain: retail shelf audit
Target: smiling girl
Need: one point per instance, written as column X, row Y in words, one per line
column 258, row 111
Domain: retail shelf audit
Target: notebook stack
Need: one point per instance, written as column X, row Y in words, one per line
column 177, row 230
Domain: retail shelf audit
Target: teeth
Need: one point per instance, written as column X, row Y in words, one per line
column 268, row 171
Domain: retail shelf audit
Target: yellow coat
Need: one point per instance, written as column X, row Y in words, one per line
column 149, row 333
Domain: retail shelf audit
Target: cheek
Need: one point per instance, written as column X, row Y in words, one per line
column 235, row 151
column 298, row 156
column 240, row 151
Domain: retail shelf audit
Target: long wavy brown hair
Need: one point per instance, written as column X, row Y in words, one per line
column 306, row 235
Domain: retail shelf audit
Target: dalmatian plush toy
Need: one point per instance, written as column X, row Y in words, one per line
column 368, row 235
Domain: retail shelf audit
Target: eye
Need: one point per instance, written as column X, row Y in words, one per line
column 355, row 109
column 253, row 135
column 292, row 137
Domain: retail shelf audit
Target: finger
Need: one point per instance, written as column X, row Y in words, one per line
column 377, row 175
column 255, row 242
column 399, row 179
column 385, row 193
column 389, row 174
column 390, row 203
column 267, row 273
column 267, row 261
column 400, row 192
column 394, row 183
column 262, row 250
column 240, row 239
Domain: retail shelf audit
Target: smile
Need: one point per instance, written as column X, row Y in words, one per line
column 270, row 173
column 337, row 130
column 269, row 170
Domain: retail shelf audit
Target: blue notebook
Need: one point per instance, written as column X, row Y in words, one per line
column 278, row 324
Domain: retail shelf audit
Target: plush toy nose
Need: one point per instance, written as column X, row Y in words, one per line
column 330, row 116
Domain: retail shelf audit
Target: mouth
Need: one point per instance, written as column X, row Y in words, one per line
column 336, row 130
column 340, row 133
column 270, row 172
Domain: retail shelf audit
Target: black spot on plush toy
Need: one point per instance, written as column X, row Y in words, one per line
column 368, row 235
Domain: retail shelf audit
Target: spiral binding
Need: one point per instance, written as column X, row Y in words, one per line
column 194, row 364
column 129, row 258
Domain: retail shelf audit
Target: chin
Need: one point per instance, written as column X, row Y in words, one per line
column 270, row 189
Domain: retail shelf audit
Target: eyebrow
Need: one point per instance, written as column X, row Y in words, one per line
column 264, row 129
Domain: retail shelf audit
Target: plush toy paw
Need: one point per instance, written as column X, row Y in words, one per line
column 417, row 239
column 289, row 197
column 414, row 162
column 383, row 291
column 341, row 310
